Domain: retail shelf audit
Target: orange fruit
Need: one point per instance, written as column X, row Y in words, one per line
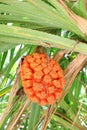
column 42, row 79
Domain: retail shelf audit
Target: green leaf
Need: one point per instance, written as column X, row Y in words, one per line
column 38, row 12
column 5, row 91
column 78, row 86
column 7, row 69
column 79, row 8
column 34, row 116
column 17, row 35
column 65, row 123
column 3, row 59
column 11, row 54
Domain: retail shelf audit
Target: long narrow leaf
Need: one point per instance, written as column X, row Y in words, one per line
column 17, row 35
column 34, row 116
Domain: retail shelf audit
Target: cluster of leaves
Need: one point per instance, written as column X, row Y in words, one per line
column 46, row 23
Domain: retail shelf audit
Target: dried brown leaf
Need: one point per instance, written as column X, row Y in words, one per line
column 47, row 117
column 60, row 55
column 12, row 95
column 74, row 65
column 19, row 113
column 81, row 22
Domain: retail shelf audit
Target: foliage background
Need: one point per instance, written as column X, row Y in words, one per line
column 25, row 25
